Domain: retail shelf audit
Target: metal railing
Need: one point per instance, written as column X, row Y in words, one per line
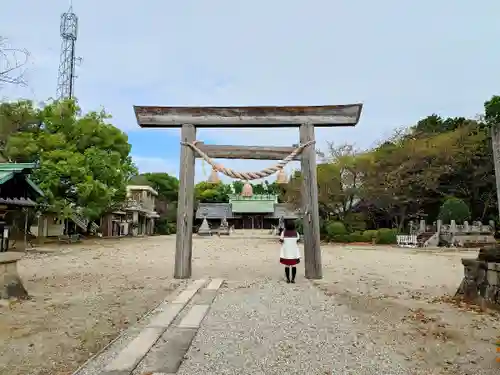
column 140, row 204
column 83, row 222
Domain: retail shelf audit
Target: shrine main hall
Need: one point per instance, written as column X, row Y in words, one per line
column 258, row 211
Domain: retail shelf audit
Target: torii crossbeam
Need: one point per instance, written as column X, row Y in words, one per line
column 263, row 117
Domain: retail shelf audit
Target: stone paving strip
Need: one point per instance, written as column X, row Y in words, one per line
column 130, row 357
column 167, row 354
column 122, row 355
column 160, row 346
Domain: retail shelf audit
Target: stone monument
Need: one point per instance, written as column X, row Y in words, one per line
column 481, row 282
column 204, row 229
column 11, row 285
column 224, row 227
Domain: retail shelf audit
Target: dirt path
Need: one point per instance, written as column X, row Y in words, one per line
column 84, row 295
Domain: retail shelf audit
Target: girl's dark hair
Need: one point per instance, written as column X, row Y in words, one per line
column 290, row 229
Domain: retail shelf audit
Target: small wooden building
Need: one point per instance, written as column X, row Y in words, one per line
column 18, row 196
column 136, row 217
column 114, row 224
column 254, row 212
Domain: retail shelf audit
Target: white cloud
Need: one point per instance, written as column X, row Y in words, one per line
column 154, row 164
column 216, row 53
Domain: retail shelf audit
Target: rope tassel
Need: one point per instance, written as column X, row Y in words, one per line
column 248, row 176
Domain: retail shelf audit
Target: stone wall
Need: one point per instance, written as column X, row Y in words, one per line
column 481, row 282
column 472, row 240
column 466, row 235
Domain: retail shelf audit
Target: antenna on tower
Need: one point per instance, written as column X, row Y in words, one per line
column 66, row 76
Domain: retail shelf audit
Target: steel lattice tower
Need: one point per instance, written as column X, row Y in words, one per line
column 66, row 75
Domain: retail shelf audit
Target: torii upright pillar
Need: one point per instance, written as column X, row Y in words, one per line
column 312, row 257
column 190, row 118
column 185, row 206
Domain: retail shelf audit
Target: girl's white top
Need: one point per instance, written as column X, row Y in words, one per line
column 289, row 248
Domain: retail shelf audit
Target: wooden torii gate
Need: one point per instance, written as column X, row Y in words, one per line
column 190, row 118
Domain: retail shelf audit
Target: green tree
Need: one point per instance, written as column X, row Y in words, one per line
column 492, row 111
column 259, row 188
column 167, row 186
column 237, row 186
column 84, row 162
column 16, row 117
column 470, row 173
column 166, row 202
column 405, row 175
column 454, row 209
column 339, row 180
column 206, row 192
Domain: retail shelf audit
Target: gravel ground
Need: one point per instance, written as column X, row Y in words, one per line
column 377, row 310
column 284, row 329
column 83, row 296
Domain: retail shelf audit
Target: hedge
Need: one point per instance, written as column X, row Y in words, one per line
column 386, row 236
column 369, row 235
column 163, row 226
column 383, row 236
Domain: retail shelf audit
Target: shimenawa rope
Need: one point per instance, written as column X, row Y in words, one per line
column 247, row 176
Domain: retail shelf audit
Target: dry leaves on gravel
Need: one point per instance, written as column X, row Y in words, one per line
column 428, row 326
column 464, row 305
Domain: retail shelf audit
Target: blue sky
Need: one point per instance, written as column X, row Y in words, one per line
column 404, row 60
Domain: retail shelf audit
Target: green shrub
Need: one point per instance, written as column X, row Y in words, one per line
column 323, row 233
column 299, row 226
column 369, row 235
column 347, row 238
column 386, row 236
column 163, row 226
column 355, row 222
column 335, row 228
column 335, row 231
column 172, row 228
column 454, row 209
column 356, row 237
column 341, row 238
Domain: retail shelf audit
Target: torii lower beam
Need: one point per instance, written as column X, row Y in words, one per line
column 246, row 152
column 190, row 118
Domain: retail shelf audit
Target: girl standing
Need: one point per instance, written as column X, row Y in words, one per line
column 289, row 254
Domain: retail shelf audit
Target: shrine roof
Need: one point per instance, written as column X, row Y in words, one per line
column 23, row 202
column 214, row 211
column 9, row 170
column 221, row 210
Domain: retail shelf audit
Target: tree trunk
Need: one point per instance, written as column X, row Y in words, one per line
column 401, row 219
